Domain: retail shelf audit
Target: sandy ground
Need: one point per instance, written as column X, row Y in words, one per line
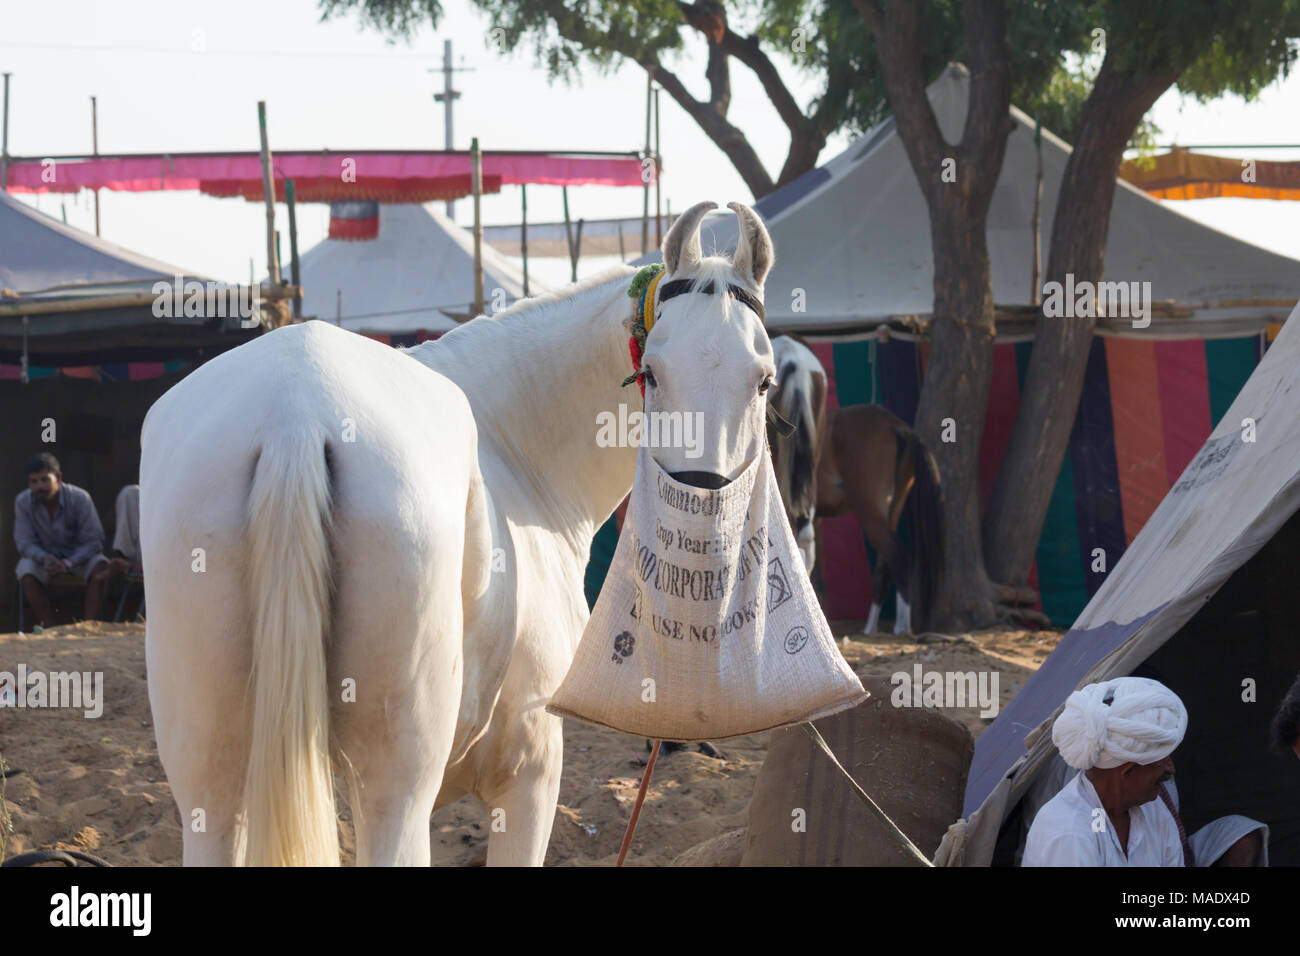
column 97, row 784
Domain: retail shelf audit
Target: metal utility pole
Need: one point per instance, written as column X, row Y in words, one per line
column 446, row 98
column 94, row 145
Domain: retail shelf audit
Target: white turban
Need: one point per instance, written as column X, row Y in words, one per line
column 1143, row 722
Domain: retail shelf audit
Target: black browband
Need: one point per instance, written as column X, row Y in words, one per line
column 678, row 286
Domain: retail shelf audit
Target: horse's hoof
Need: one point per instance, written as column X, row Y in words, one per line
column 709, row 750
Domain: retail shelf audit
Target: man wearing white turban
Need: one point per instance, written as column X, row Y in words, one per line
column 1120, row 735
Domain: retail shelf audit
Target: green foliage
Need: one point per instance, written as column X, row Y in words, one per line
column 1058, row 103
column 396, row 18
column 1234, row 46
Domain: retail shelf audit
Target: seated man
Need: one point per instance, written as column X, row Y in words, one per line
column 1286, row 722
column 57, row 531
column 126, row 537
column 1121, row 809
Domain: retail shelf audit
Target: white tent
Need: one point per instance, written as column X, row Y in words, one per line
column 1204, row 599
column 854, row 235
column 415, row 275
column 40, row 253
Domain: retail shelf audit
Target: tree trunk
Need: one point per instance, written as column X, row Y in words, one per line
column 956, row 387
column 1054, row 381
column 958, row 183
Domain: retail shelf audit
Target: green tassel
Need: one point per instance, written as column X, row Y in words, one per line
column 642, row 279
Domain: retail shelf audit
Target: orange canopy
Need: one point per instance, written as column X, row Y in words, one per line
column 1185, row 175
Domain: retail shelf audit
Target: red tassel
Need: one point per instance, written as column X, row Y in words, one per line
column 634, row 348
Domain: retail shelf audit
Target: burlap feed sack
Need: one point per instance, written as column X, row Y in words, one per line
column 707, row 626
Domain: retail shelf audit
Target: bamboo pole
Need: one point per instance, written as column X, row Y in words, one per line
column 289, row 199
column 476, row 157
column 523, row 231
column 577, row 251
column 645, row 183
column 659, row 168
column 94, row 145
column 8, row 307
column 1036, row 266
column 4, row 142
column 568, row 235
column 268, row 188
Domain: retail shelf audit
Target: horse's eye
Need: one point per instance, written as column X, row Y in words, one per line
column 650, row 377
column 764, row 385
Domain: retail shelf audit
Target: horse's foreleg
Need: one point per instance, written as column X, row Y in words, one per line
column 903, row 616
column 880, row 582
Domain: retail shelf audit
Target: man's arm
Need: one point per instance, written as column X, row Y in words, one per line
column 25, row 533
column 90, row 533
column 1171, row 843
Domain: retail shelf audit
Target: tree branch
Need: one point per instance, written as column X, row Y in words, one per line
column 898, row 46
column 725, row 136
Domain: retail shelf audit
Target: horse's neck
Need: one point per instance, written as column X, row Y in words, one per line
column 536, row 378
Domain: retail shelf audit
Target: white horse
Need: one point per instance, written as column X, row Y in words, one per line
column 800, row 398
column 371, row 561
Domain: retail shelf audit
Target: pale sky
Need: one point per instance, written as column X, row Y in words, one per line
column 339, row 86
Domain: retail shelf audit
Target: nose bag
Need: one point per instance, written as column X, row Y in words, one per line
column 707, row 626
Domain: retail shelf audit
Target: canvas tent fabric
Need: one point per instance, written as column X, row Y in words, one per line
column 39, row 253
column 415, row 276
column 395, row 176
column 1145, row 409
column 854, row 235
column 43, row 260
column 1203, row 600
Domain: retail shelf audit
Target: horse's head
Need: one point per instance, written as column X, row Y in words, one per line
column 708, row 361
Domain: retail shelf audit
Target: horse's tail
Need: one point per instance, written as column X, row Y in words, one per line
column 926, row 506
column 288, row 791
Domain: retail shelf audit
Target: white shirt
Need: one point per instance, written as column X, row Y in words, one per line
column 1063, row 832
column 127, row 536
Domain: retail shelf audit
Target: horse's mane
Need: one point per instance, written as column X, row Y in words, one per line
column 547, row 302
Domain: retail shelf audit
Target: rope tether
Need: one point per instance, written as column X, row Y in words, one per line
column 878, row 813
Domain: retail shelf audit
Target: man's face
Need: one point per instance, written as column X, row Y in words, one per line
column 44, row 485
column 1142, row 781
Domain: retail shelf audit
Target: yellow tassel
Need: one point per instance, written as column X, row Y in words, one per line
column 650, row 291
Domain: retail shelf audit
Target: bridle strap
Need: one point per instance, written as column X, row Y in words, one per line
column 667, row 290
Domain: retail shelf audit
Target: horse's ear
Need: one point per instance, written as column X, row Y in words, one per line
column 682, row 244
column 754, row 256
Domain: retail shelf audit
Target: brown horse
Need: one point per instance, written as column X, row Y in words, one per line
column 859, row 459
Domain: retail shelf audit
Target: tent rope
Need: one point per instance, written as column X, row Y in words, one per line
column 878, row 813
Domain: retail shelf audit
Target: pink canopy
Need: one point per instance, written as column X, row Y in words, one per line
column 324, row 176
